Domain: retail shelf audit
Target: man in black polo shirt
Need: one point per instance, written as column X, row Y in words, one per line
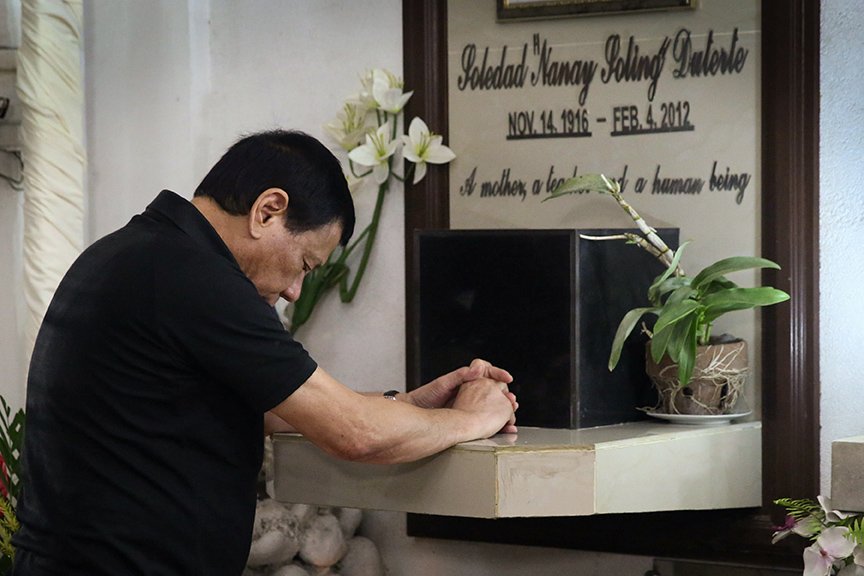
column 161, row 357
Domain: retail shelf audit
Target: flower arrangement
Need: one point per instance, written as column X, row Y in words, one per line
column 11, row 439
column 369, row 128
column 685, row 306
column 837, row 537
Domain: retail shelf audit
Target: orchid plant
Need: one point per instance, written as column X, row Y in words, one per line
column 686, row 306
column 837, row 537
column 369, row 128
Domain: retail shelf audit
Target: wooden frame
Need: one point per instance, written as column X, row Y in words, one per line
column 530, row 9
column 790, row 383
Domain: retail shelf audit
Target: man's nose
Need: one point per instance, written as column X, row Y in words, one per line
column 292, row 293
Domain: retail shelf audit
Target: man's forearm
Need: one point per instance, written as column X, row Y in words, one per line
column 273, row 424
column 371, row 428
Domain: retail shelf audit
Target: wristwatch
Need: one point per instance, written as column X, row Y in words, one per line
column 391, row 394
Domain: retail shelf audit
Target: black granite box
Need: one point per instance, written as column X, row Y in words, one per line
column 544, row 304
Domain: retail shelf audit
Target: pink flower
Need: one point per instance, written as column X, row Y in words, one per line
column 4, row 481
column 831, row 516
column 805, row 527
column 832, row 545
column 852, row 570
column 858, row 555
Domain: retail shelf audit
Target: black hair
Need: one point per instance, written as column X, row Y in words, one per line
column 292, row 161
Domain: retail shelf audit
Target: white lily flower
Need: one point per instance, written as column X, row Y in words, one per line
column 422, row 146
column 376, row 152
column 387, row 91
column 349, row 126
column 365, row 97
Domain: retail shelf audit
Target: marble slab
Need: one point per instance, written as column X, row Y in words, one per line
column 847, row 474
column 632, row 467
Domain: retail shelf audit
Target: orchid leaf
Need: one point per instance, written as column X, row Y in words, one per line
column 719, row 303
column 592, row 182
column 625, row 327
column 687, row 354
column 680, row 294
column 672, row 342
column 660, row 343
column 729, row 265
column 675, row 313
column 673, row 265
column 657, row 291
column 716, row 285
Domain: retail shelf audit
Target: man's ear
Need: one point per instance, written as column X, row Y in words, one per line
column 267, row 210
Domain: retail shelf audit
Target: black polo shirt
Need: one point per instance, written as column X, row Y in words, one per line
column 151, row 373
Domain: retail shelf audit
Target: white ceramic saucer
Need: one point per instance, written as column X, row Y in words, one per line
column 699, row 419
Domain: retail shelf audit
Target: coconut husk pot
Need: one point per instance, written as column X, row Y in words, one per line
column 719, row 375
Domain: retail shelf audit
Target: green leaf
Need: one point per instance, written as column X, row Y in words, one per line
column 856, row 530
column 718, row 284
column 680, row 294
column 656, row 291
column 660, row 343
column 800, row 508
column 11, row 442
column 335, row 273
column 672, row 340
column 723, row 301
column 687, row 354
column 592, row 182
column 729, row 265
column 625, row 327
column 673, row 265
column 675, row 313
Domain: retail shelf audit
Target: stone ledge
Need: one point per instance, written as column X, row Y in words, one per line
column 633, row 467
column 847, row 474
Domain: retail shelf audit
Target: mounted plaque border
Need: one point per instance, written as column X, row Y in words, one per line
column 790, row 236
column 538, row 9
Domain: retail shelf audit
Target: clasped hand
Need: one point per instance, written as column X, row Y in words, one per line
column 473, row 388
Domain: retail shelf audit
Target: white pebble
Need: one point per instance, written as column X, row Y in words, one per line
column 304, row 512
column 291, row 570
column 362, row 559
column 349, row 520
column 322, row 542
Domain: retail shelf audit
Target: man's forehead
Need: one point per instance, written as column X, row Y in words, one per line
column 322, row 241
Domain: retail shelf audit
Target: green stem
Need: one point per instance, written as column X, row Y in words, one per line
column 409, row 172
column 347, row 251
column 314, row 287
column 346, row 293
column 705, row 335
column 358, row 176
column 319, row 282
column 334, row 271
